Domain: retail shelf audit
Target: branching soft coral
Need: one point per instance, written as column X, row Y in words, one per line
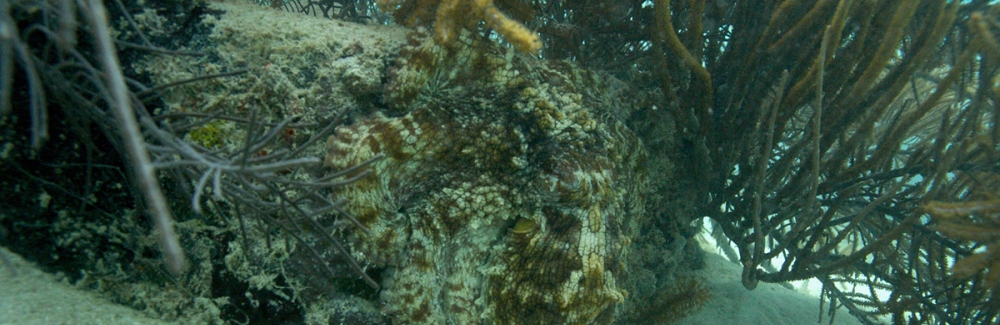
column 975, row 220
column 450, row 16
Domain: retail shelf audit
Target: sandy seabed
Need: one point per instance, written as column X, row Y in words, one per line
column 31, row 296
column 770, row 304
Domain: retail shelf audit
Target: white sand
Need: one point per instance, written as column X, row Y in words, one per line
column 35, row 297
column 769, row 304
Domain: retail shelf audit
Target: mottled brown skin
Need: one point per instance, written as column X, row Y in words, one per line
column 507, row 194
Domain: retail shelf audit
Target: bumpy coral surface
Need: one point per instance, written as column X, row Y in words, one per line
column 507, row 195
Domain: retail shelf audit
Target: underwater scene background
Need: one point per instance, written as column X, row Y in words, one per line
column 501, row 162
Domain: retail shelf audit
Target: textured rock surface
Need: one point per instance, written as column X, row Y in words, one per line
column 508, row 192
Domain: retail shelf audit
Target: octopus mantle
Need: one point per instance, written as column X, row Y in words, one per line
column 508, row 192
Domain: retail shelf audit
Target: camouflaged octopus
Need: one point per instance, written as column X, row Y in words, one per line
column 507, row 195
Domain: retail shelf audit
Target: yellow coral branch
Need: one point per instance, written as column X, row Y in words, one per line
column 445, row 30
column 514, row 32
column 452, row 15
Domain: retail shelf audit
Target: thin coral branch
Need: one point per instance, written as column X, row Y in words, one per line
column 142, row 167
column 245, row 179
column 340, row 248
column 155, row 49
column 8, row 36
column 146, row 93
column 39, row 114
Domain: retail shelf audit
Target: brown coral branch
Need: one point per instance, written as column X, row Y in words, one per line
column 837, row 23
column 697, row 9
column 704, row 78
column 809, row 22
column 961, row 209
column 888, row 47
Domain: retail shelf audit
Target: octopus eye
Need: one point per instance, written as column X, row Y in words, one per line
column 523, row 225
column 568, row 180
